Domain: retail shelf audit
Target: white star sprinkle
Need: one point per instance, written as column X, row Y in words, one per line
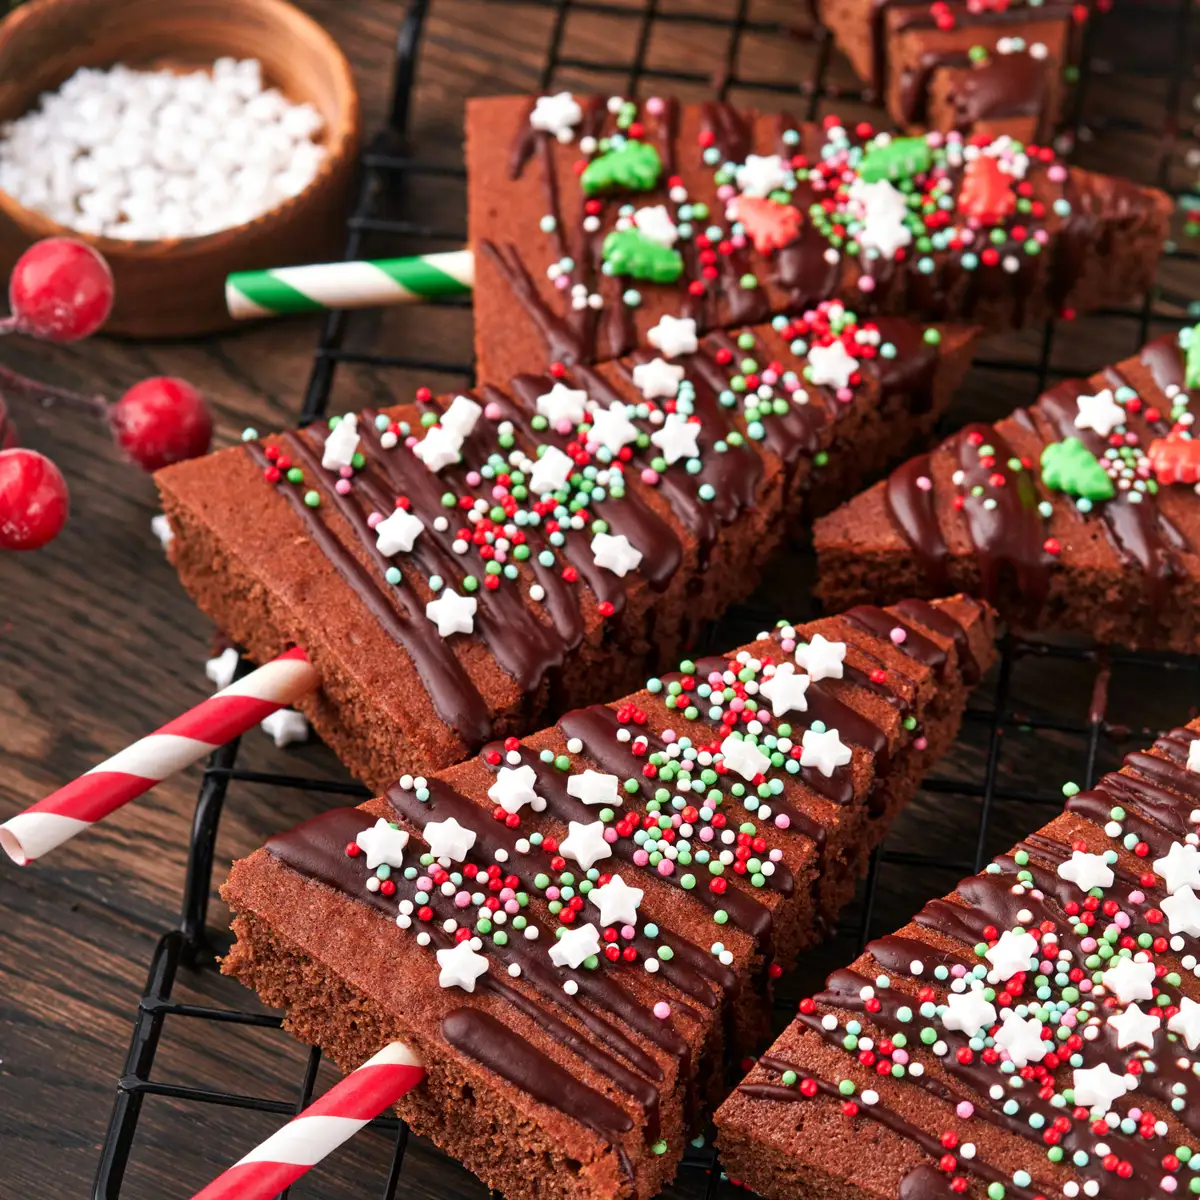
column 1086, row 871
column 821, row 658
column 968, row 1012
column 585, row 844
column 575, row 945
column 1130, row 980
column 452, row 613
column 831, row 366
column 551, row 471
column 449, row 839
column 460, row 966
column 677, row 438
column 462, row 416
column 220, row 669
column 743, row 757
column 285, row 726
column 616, row 553
column 882, row 209
column 594, row 787
column 1012, row 953
column 514, row 788
column 762, row 174
column 674, row 336
column 612, row 428
column 383, row 843
column 439, row 448
column 1193, row 762
column 657, row 378
column 398, row 532
column 655, row 222
column 1098, row 1087
column 557, row 114
column 562, row 403
column 785, row 690
column 1183, row 912
column 1186, row 1022
column 160, row 526
column 825, row 751
column 1181, row 866
column 1099, row 412
column 1134, row 1028
column 617, row 901
column 341, row 445
column 1022, row 1038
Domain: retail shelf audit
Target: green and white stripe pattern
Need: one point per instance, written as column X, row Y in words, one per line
column 349, row 284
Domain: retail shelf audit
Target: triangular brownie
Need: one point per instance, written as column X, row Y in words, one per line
column 597, row 222
column 575, row 929
column 1033, row 1034
column 458, row 567
column 1078, row 513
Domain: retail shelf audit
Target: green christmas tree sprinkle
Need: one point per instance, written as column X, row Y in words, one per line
column 631, row 252
column 1069, row 466
column 631, row 167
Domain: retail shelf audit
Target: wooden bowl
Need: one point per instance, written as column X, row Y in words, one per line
column 176, row 288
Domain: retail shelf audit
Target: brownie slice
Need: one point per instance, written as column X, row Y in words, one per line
column 562, row 535
column 1032, row 1034
column 1079, row 513
column 682, row 844
column 592, row 220
column 976, row 67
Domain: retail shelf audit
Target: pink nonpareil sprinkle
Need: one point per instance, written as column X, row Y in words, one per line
column 924, row 483
column 666, row 867
column 562, row 282
column 346, row 472
column 706, row 834
column 640, row 858
column 343, row 487
column 770, row 377
column 493, row 411
column 662, row 1010
column 649, row 476
column 1138, row 897
column 462, row 899
column 899, row 636
column 776, row 854
column 374, row 519
column 627, row 932
column 726, row 192
column 866, row 283
column 782, row 821
column 512, row 907
column 788, row 645
column 1057, row 173
column 424, row 884
column 845, row 395
column 965, row 1110
column 610, row 835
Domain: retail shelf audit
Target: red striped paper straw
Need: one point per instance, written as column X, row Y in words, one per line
column 178, row 744
column 321, row 1128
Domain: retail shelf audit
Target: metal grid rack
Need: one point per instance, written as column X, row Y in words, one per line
column 986, row 794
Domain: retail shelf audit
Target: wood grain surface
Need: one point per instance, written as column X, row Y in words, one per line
column 98, row 643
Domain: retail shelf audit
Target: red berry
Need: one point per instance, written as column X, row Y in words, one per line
column 161, row 421
column 60, row 290
column 34, row 501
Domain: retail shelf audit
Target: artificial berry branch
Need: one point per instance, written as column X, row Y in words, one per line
column 61, row 290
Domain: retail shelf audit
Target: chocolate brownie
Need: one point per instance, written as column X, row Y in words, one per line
column 979, row 67
column 545, row 543
column 1079, row 513
column 593, row 219
column 605, row 904
column 1030, row 1035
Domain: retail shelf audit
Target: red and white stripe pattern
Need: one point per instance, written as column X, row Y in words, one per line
column 178, row 744
column 321, row 1128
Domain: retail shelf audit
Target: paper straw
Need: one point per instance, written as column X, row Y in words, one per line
column 178, row 744
column 321, row 1128
column 349, row 284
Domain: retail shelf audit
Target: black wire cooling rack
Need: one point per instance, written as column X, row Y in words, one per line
column 1047, row 712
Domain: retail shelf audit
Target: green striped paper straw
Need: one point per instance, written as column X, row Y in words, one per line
column 382, row 281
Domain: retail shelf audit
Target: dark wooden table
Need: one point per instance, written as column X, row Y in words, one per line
column 99, row 644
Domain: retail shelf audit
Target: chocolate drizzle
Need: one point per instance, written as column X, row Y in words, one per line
column 455, row 698
column 913, row 510
column 1135, row 530
column 317, row 849
column 1158, row 794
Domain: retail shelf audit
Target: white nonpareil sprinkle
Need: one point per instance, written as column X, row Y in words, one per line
column 143, row 155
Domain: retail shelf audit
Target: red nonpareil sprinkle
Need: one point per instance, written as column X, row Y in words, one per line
column 353, row 850
column 605, row 608
column 570, row 574
column 1052, row 546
